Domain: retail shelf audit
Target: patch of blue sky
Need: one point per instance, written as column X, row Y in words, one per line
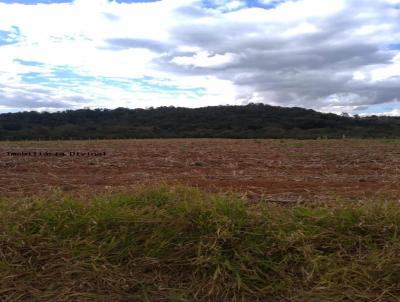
column 9, row 110
column 153, row 85
column 375, row 109
column 34, row 2
column 28, row 63
column 38, row 78
column 8, row 37
column 173, row 90
column 264, row 4
column 58, row 77
column 210, row 4
column 395, row 46
column 66, row 73
column 65, row 77
column 115, row 82
column 393, row 5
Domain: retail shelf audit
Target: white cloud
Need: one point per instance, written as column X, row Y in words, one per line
column 394, row 112
column 327, row 55
column 387, row 72
column 301, row 29
column 205, row 59
column 289, row 11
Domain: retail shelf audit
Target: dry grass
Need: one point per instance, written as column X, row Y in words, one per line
column 182, row 244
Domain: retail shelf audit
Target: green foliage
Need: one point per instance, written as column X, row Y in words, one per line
column 251, row 121
column 181, row 244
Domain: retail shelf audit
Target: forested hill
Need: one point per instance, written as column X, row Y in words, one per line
column 251, row 121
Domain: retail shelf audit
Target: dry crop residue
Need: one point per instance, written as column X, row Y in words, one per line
column 278, row 170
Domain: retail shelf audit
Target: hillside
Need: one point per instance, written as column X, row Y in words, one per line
column 251, row 121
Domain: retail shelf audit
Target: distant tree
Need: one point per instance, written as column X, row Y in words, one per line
column 250, row 121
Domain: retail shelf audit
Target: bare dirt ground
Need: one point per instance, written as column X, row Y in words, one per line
column 277, row 170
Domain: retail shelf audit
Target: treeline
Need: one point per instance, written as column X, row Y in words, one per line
column 250, row 121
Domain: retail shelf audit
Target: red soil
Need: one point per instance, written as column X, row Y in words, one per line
column 280, row 170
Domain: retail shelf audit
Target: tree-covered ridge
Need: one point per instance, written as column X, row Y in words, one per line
column 250, row 121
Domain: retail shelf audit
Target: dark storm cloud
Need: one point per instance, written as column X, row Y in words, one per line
column 309, row 69
column 34, row 98
column 33, row 103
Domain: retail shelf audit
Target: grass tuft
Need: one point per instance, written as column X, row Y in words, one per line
column 182, row 244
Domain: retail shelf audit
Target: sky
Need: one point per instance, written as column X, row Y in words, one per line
column 332, row 56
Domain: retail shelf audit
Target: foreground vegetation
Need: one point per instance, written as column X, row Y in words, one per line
column 182, row 244
column 251, row 121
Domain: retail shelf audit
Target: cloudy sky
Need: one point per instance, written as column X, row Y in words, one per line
column 329, row 55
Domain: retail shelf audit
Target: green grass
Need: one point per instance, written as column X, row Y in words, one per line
column 182, row 244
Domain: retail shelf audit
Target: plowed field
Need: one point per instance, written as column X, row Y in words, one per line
column 278, row 170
